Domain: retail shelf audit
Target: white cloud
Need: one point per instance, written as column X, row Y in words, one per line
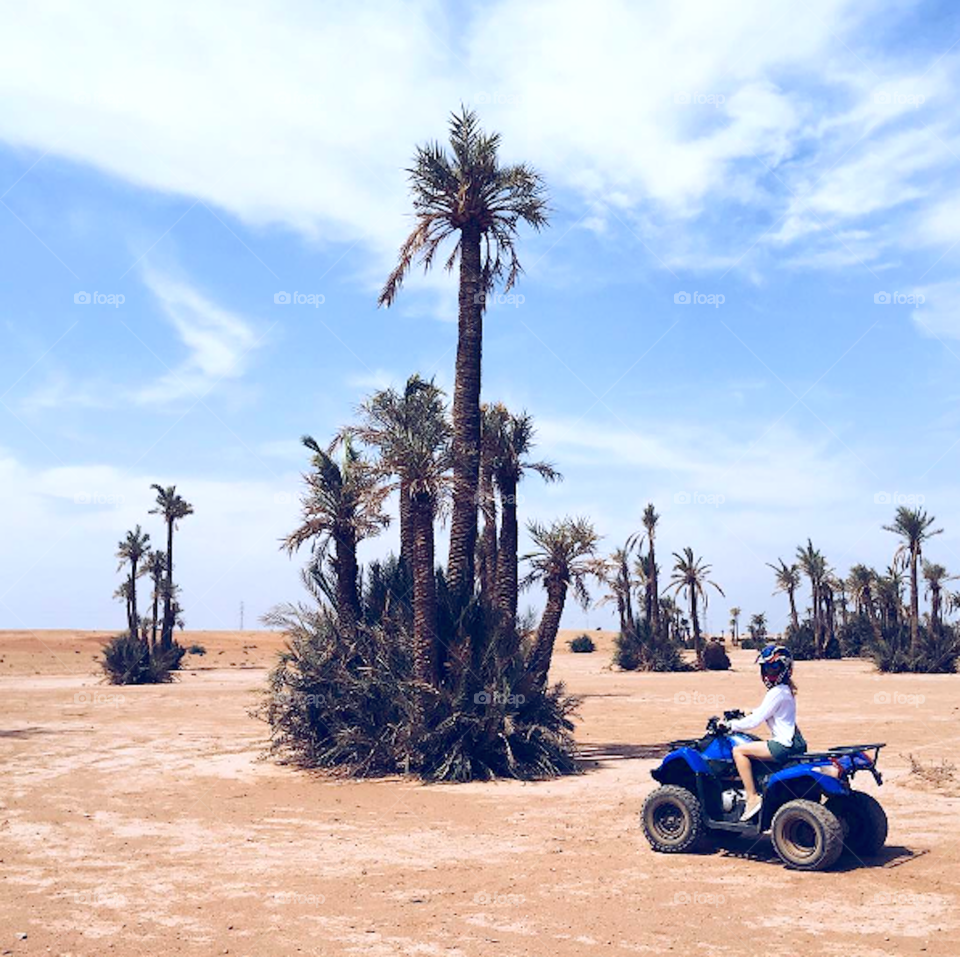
column 219, row 343
column 938, row 316
column 306, row 115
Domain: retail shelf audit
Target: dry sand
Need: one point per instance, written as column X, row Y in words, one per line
column 140, row 821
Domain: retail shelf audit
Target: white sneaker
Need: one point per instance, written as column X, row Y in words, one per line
column 752, row 810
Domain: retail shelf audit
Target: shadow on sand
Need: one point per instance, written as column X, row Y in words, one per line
column 761, row 850
column 597, row 755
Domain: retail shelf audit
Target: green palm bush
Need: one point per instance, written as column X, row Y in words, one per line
column 129, row 660
column 637, row 648
column 353, row 705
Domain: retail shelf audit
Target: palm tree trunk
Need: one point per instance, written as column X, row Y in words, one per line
column 872, row 615
column 466, row 419
column 914, row 604
column 695, row 621
column 406, row 526
column 153, row 622
column 134, row 617
column 424, row 591
column 488, row 542
column 538, row 665
column 794, row 619
column 653, row 597
column 507, row 554
column 348, row 596
column 166, row 632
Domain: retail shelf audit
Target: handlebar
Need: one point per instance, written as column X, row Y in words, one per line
column 715, row 721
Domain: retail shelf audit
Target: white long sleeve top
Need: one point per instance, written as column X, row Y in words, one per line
column 778, row 709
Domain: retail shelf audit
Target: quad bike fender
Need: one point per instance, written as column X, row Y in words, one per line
column 793, row 782
column 680, row 764
column 827, row 784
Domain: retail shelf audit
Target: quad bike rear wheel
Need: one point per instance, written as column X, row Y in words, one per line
column 807, row 836
column 864, row 822
column 672, row 819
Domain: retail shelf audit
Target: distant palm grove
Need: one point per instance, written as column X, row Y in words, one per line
column 147, row 652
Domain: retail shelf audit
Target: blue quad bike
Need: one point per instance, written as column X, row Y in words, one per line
column 812, row 815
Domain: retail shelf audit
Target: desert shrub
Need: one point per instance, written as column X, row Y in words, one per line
column 942, row 775
column 833, row 649
column 351, row 705
column 130, row 661
column 196, row 650
column 753, row 644
column 855, row 636
column 715, row 656
column 638, row 649
column 938, row 650
column 582, row 644
column 801, row 641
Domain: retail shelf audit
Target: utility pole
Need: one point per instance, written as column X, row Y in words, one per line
column 241, row 616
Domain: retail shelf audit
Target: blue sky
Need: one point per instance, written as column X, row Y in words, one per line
column 797, row 161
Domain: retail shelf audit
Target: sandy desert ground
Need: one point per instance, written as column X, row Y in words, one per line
column 140, row 821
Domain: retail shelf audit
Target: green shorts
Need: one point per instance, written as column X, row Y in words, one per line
column 781, row 752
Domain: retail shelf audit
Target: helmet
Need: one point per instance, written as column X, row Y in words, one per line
column 776, row 665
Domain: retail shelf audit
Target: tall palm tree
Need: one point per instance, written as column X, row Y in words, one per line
column 614, row 572
column 173, row 507
column 690, row 578
column 412, row 434
column 788, row 581
column 735, row 623
column 861, row 581
column 651, row 597
column 155, row 566
column 134, row 548
column 343, row 505
column 514, row 442
column 465, row 193
column 813, row 565
column 913, row 525
column 561, row 560
column 758, row 626
column 936, row 577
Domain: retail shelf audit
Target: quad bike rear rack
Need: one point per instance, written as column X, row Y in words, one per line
column 832, row 755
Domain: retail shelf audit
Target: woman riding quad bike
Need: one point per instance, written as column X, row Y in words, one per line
column 806, row 799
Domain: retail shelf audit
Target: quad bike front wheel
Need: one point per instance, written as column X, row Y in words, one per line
column 807, row 835
column 864, row 822
column 672, row 819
